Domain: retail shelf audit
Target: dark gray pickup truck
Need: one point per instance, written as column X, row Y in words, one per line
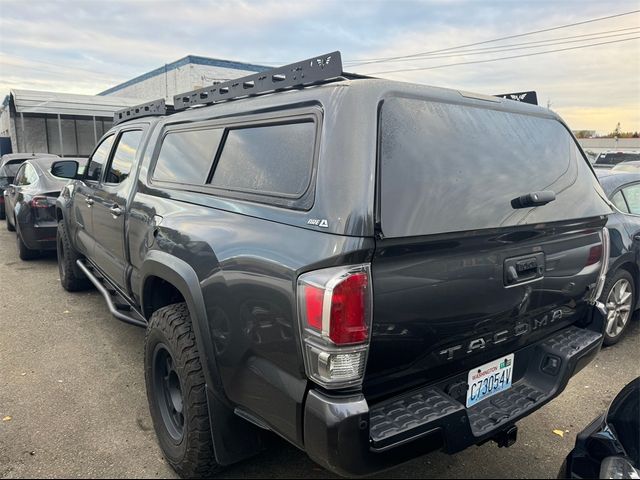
column 370, row 269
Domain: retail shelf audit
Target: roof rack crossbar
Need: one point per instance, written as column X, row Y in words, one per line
column 154, row 108
column 307, row 72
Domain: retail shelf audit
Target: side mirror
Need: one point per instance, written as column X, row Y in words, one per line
column 65, row 169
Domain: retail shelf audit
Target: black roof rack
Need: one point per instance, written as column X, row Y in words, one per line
column 154, row 108
column 524, row 97
column 315, row 70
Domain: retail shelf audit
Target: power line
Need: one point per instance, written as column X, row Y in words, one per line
column 540, row 44
column 361, row 61
column 520, row 48
column 500, row 58
column 53, row 64
column 385, row 59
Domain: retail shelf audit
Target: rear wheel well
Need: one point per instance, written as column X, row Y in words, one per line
column 234, row 438
column 158, row 293
column 632, row 268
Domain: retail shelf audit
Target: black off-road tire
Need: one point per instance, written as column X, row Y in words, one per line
column 612, row 280
column 10, row 227
column 188, row 447
column 71, row 277
column 24, row 252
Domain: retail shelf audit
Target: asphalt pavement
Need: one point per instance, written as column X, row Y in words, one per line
column 73, row 402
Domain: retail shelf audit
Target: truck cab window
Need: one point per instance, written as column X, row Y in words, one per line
column 125, row 154
column 96, row 162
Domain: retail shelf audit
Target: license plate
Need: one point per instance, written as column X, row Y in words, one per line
column 489, row 379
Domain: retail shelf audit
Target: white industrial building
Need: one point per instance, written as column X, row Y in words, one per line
column 184, row 75
column 70, row 125
column 61, row 123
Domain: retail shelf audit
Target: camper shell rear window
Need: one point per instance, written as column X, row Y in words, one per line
column 454, row 167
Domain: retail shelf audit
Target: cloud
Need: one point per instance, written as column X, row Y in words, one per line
column 87, row 46
column 593, row 86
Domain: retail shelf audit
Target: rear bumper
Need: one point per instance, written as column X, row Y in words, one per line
column 39, row 237
column 350, row 437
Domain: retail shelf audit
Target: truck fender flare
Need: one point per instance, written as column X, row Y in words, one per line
column 179, row 273
column 234, row 439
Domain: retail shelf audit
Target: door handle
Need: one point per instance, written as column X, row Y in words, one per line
column 116, row 211
column 636, row 237
column 89, row 201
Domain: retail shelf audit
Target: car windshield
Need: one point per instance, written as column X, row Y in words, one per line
column 613, row 158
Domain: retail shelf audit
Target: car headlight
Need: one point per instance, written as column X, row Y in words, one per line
column 618, row 468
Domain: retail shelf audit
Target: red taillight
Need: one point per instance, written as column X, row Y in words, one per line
column 595, row 254
column 39, row 202
column 314, row 298
column 335, row 308
column 348, row 322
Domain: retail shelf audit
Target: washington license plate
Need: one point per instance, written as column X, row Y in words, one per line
column 489, row 379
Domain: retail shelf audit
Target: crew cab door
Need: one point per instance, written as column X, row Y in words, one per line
column 110, row 207
column 81, row 224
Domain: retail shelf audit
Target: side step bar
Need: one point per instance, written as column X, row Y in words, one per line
column 108, row 298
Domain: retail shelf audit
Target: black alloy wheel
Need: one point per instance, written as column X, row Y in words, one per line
column 168, row 392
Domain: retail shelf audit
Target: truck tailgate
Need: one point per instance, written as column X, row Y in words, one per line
column 446, row 304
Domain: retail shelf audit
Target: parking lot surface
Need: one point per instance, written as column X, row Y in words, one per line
column 73, row 403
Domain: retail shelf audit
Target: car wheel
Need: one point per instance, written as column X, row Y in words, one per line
column 10, row 226
column 619, row 297
column 177, row 394
column 71, row 277
column 24, row 252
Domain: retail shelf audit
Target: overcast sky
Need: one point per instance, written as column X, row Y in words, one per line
column 89, row 46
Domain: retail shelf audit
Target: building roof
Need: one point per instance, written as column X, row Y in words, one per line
column 189, row 59
column 33, row 101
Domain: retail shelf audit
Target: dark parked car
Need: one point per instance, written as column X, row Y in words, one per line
column 9, row 165
column 31, row 204
column 318, row 262
column 610, row 446
column 622, row 289
column 611, row 158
